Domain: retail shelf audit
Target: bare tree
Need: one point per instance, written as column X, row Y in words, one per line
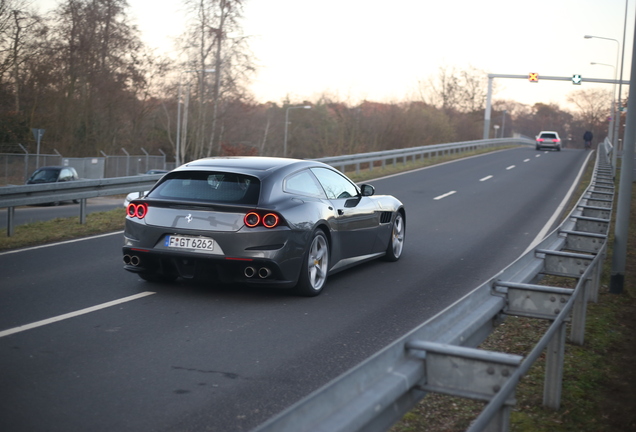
column 94, row 57
column 461, row 90
column 214, row 40
column 17, row 27
column 594, row 106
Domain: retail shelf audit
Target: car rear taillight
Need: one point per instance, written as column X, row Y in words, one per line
column 252, row 219
column 540, row 140
column 556, row 140
column 138, row 210
column 268, row 220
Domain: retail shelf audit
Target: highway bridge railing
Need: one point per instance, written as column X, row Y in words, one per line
column 441, row 355
column 81, row 190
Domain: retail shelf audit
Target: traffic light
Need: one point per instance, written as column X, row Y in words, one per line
column 533, row 77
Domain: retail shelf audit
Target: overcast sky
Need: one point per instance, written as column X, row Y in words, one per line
column 380, row 50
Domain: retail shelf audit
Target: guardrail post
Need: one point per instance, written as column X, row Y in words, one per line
column 555, row 357
column 579, row 312
column 598, row 272
column 10, row 220
column 83, row 211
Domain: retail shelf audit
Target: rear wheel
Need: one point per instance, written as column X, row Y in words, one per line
column 396, row 242
column 313, row 273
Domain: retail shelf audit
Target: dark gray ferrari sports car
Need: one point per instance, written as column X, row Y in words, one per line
column 261, row 221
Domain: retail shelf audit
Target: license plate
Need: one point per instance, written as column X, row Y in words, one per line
column 185, row 242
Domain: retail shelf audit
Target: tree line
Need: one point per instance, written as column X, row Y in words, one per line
column 82, row 73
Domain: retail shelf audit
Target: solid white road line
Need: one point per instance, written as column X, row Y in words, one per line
column 61, row 243
column 73, row 314
column 557, row 213
column 445, row 195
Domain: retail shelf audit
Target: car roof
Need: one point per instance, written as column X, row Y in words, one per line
column 257, row 166
column 548, row 132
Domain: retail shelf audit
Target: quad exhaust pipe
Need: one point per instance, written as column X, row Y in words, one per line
column 263, row 272
column 132, row 260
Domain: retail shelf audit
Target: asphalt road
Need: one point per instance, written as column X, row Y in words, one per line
column 190, row 357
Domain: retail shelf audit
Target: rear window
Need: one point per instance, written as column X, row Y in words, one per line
column 208, row 187
column 45, row 175
column 548, row 135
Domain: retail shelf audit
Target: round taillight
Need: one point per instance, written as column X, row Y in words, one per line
column 141, row 211
column 270, row 220
column 131, row 210
column 137, row 210
column 252, row 219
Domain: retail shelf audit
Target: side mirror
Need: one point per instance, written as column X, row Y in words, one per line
column 367, row 190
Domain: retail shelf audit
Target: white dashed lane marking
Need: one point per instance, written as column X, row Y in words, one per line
column 445, row 195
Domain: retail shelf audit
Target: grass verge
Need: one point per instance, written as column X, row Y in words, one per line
column 38, row 233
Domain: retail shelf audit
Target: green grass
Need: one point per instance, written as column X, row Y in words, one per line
column 38, row 233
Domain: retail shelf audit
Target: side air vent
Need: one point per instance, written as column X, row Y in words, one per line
column 385, row 217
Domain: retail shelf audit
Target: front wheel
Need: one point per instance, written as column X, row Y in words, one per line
column 313, row 273
column 396, row 242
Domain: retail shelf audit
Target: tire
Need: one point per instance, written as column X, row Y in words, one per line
column 538, row 148
column 313, row 272
column 396, row 242
column 156, row 277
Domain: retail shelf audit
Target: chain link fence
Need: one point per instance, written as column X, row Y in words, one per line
column 15, row 167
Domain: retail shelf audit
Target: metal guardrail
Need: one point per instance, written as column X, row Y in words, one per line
column 81, row 190
column 429, row 151
column 439, row 355
column 14, row 196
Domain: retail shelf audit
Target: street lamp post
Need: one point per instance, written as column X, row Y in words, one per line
column 616, row 123
column 287, row 122
column 177, row 159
